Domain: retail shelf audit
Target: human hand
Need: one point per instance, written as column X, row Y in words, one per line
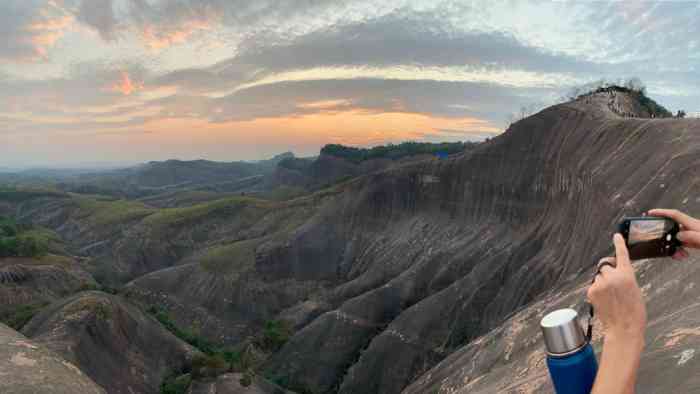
column 617, row 298
column 690, row 230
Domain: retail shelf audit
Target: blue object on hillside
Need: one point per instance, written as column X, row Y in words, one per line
column 570, row 358
column 441, row 155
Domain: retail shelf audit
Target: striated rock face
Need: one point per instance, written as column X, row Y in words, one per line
column 114, row 343
column 34, row 282
column 27, row 367
column 433, row 256
column 510, row 358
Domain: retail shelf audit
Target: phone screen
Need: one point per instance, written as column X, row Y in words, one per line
column 648, row 230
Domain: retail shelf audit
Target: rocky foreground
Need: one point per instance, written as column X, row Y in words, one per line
column 428, row 277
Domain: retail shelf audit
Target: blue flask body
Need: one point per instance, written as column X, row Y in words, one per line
column 574, row 374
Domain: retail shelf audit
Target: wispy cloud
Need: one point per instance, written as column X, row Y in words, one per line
column 30, row 28
column 322, row 71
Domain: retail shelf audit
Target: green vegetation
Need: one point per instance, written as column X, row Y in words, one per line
column 106, row 213
column 208, row 365
column 179, row 216
column 216, row 360
column 17, row 194
column 391, row 151
column 176, row 384
column 23, row 241
column 19, row 315
column 102, row 311
column 247, row 379
column 633, row 86
column 275, row 334
column 188, row 336
column 227, row 258
column 285, row 192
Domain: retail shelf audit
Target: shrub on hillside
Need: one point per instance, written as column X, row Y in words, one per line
column 16, row 241
column 208, row 366
column 275, row 334
column 632, row 86
column 176, row 384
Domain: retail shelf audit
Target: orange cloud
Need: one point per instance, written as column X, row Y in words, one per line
column 125, row 85
column 156, row 39
column 192, row 137
column 43, row 33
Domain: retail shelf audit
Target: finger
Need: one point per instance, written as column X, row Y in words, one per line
column 676, row 215
column 621, row 253
column 605, row 270
column 592, row 290
column 606, row 261
column 689, row 238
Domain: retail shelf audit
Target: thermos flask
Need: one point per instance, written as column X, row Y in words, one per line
column 570, row 357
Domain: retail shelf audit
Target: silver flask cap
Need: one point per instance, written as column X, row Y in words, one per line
column 562, row 332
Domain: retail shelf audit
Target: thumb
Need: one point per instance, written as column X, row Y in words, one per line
column 621, row 252
column 689, row 238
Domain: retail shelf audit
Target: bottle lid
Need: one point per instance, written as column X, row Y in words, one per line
column 562, row 332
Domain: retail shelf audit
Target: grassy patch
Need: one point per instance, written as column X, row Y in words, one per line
column 13, row 194
column 19, row 316
column 226, row 207
column 275, row 334
column 227, row 258
column 176, row 384
column 285, row 192
column 105, row 213
column 22, row 240
column 57, row 260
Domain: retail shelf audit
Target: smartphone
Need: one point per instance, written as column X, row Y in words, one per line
column 650, row 237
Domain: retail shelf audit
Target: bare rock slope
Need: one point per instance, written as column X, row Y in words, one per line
column 433, row 256
column 114, row 343
column 27, row 367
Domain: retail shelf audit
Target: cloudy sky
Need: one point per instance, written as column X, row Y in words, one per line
column 123, row 81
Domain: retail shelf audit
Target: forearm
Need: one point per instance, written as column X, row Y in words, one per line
column 619, row 364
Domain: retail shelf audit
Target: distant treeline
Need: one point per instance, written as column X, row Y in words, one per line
column 392, row 151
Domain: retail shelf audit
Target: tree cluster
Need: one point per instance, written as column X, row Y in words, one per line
column 17, row 243
column 392, row 151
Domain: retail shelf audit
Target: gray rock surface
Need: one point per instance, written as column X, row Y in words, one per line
column 25, row 281
column 435, row 255
column 114, row 343
column 27, row 367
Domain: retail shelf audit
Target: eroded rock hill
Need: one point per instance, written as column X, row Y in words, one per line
column 435, row 255
column 116, row 344
column 426, row 276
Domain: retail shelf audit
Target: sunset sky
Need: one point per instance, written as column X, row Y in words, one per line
column 126, row 81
